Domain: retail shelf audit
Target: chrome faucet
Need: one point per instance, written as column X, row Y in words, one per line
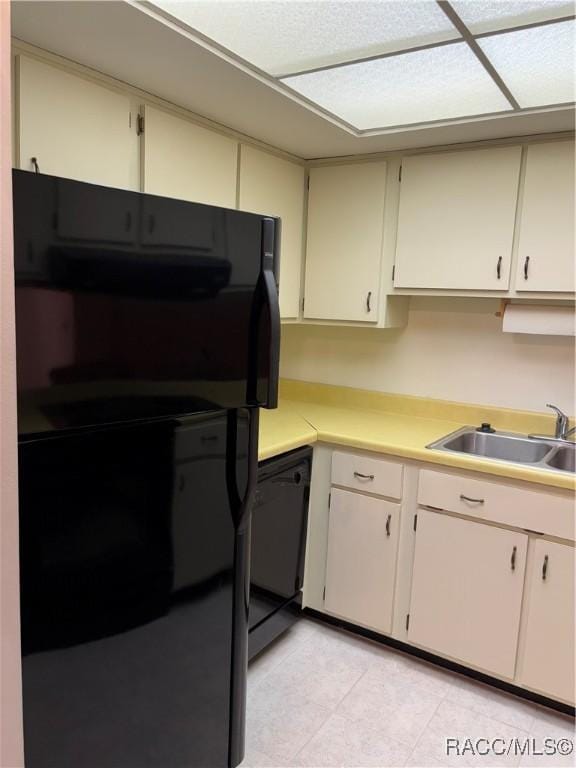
column 562, row 431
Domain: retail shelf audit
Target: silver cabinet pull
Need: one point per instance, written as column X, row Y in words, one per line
column 34, row 161
column 388, row 525
column 368, row 301
column 513, row 559
column 499, row 267
column 469, row 498
column 526, row 262
column 545, row 568
column 364, row 477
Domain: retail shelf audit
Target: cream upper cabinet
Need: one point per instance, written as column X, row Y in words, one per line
column 73, row 127
column 344, row 243
column 546, row 243
column 456, row 220
column 547, row 661
column 467, row 587
column 272, row 185
column 188, row 162
column 361, row 560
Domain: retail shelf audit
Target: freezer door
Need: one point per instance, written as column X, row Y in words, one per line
column 132, row 572
column 132, row 306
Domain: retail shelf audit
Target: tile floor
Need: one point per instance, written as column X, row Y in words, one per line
column 323, row 697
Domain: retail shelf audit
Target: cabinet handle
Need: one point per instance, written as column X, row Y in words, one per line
column 544, row 567
column 499, row 267
column 526, row 262
column 468, row 498
column 364, row 477
column 34, row 161
column 368, row 301
column 513, row 559
column 388, row 525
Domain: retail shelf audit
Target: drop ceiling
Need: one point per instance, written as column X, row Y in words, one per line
column 320, row 78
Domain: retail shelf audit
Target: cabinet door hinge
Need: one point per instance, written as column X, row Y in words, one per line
column 400, row 174
column 140, row 125
column 415, row 521
column 329, row 500
column 407, row 621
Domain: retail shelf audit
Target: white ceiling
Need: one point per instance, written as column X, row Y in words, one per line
column 138, row 44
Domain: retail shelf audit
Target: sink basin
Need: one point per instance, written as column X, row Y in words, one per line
column 498, row 446
column 563, row 458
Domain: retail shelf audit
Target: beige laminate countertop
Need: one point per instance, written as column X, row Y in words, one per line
column 394, row 425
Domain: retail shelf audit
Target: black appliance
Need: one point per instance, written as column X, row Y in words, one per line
column 279, row 527
column 147, row 339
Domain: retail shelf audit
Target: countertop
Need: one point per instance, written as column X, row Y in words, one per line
column 394, row 425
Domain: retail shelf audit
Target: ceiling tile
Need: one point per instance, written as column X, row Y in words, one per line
column 434, row 84
column 536, row 64
column 490, row 15
column 288, row 36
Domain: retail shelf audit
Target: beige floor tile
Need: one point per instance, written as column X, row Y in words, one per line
column 280, row 722
column 391, row 703
column 555, row 725
column 547, row 760
column 418, row 672
column 493, row 703
column 352, row 745
column 456, row 722
column 321, row 672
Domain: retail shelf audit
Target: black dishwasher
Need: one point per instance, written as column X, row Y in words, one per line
column 279, row 523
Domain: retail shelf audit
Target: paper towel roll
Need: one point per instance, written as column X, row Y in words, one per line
column 540, row 319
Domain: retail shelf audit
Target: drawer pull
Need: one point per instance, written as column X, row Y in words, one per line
column 468, row 498
column 364, row 477
column 388, row 525
column 526, row 263
column 513, row 559
column 499, row 267
column 544, row 567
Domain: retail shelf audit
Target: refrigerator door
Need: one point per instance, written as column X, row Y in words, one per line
column 132, row 307
column 134, row 576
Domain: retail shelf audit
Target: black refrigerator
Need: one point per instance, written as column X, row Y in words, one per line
column 147, row 339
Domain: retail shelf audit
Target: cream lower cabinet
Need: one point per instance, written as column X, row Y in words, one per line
column 467, row 587
column 361, row 561
column 547, row 658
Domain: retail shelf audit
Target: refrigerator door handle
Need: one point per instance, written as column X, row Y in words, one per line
column 265, row 297
column 241, row 506
column 271, row 293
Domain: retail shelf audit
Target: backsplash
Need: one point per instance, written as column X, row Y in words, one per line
column 451, row 349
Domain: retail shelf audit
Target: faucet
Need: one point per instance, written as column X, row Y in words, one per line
column 561, row 431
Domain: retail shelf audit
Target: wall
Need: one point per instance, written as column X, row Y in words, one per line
column 11, row 748
column 451, row 349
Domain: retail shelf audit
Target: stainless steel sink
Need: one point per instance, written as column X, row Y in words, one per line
column 509, row 447
column 564, row 458
column 497, row 446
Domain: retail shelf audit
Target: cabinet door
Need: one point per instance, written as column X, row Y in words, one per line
column 185, row 161
column 361, row 561
column 344, row 244
column 548, row 659
column 73, row 127
column 467, row 591
column 271, row 185
column 546, row 245
column 456, row 220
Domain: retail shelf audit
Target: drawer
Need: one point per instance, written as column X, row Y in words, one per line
column 363, row 473
column 550, row 512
